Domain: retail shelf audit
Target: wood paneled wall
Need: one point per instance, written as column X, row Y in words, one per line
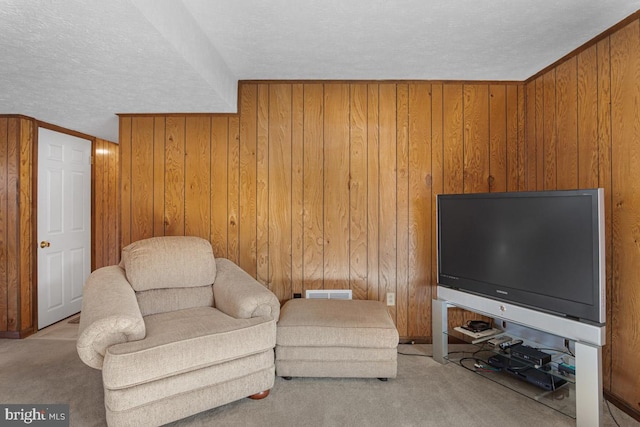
column 105, row 236
column 325, row 185
column 583, row 131
column 17, row 316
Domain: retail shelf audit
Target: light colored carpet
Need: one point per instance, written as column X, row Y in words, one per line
column 44, row 369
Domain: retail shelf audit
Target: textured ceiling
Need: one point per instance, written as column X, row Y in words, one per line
column 76, row 63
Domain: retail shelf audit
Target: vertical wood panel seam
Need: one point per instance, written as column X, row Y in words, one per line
column 543, row 136
column 164, row 179
column 527, row 137
column 99, row 184
column 350, row 100
column 6, row 210
column 257, row 139
column 238, row 190
column 610, row 147
column 488, row 118
column 324, row 237
column 555, row 124
column 517, row 137
column 517, row 140
column 291, row 139
column 106, row 247
column 532, row 138
column 153, row 168
column 19, row 212
column 130, row 176
column 506, row 135
column 184, row 177
column 397, row 189
column 407, row 137
column 14, row 222
column 520, row 132
column 268, row 211
column 366, row 115
column 577, row 118
column 521, row 136
column 407, row 216
column 464, row 134
column 210, row 178
column 538, row 134
column 226, row 223
column 302, row 242
column 6, row 289
column 100, row 172
column 7, row 229
column 395, row 133
column 379, row 204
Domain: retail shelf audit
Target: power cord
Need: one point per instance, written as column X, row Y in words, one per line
column 413, row 354
column 556, row 350
column 478, row 364
column 611, row 413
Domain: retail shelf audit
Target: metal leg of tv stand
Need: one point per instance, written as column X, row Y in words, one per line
column 439, row 322
column 588, row 385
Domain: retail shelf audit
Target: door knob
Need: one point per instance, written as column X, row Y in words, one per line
column 44, row 244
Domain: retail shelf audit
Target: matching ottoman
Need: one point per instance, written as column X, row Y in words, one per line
column 336, row 338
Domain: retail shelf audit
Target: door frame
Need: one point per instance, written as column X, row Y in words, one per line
column 34, row 210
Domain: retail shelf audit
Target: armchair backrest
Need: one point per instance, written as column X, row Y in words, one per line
column 170, row 273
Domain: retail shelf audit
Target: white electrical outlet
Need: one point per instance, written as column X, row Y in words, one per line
column 391, row 298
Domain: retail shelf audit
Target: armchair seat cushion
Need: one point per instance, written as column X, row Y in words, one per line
column 182, row 341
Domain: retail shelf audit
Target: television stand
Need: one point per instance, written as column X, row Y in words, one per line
column 588, row 340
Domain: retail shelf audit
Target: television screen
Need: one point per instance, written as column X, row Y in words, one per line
column 543, row 250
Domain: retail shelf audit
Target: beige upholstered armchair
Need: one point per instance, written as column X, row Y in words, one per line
column 176, row 332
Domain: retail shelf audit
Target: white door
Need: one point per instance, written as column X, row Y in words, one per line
column 64, row 224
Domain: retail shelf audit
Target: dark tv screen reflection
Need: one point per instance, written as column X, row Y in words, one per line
column 542, row 250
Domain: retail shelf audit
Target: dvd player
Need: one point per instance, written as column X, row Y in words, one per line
column 526, row 372
column 530, row 354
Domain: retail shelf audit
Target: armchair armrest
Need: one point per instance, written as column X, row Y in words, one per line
column 110, row 315
column 239, row 295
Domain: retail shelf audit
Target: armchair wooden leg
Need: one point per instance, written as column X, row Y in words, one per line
column 260, row 395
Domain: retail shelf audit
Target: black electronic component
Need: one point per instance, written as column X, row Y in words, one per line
column 495, row 342
column 530, row 354
column 566, row 369
column 477, row 326
column 526, row 372
column 509, row 344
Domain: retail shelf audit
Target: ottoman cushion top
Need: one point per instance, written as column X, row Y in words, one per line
column 336, row 323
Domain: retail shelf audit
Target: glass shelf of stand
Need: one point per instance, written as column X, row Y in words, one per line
column 474, row 356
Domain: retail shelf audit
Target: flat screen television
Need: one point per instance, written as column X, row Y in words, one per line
column 542, row 250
